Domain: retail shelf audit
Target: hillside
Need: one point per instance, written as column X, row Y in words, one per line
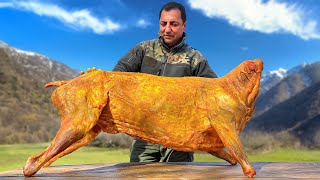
column 26, row 110
column 299, row 115
column 285, row 85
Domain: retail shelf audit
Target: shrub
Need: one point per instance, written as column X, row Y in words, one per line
column 264, row 142
column 316, row 140
column 119, row 140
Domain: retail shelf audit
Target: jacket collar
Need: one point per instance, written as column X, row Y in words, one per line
column 177, row 46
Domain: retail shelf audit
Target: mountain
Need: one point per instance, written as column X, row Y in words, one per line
column 271, row 78
column 288, row 103
column 280, row 85
column 299, row 115
column 26, row 111
column 35, row 66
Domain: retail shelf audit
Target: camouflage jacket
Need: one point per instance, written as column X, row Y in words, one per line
column 154, row 57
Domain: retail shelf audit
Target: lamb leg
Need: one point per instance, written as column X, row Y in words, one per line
column 82, row 142
column 65, row 137
column 80, row 108
column 223, row 154
column 232, row 142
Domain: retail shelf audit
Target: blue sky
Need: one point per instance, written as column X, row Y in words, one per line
column 85, row 33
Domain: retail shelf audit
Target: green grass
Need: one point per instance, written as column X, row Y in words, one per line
column 15, row 156
column 280, row 155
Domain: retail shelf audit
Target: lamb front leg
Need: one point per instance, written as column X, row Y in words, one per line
column 231, row 141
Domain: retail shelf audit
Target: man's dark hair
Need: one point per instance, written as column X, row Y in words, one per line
column 174, row 5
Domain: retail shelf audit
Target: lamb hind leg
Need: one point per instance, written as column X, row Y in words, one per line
column 223, row 154
column 232, row 142
column 65, row 137
column 82, row 142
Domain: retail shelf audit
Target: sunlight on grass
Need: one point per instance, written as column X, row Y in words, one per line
column 15, row 156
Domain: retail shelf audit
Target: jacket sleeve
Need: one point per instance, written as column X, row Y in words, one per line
column 131, row 62
column 201, row 68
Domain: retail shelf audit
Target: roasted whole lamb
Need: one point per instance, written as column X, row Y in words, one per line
column 185, row 113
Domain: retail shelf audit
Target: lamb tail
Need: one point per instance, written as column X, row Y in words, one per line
column 56, row 83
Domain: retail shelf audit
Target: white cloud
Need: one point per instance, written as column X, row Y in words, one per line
column 5, row 4
column 244, row 48
column 260, row 15
column 142, row 23
column 82, row 19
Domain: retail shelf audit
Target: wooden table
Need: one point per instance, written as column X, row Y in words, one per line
column 194, row 170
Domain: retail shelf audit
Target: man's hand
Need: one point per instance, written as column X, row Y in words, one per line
column 88, row 70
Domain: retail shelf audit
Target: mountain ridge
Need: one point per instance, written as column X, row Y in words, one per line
column 26, row 112
column 292, row 82
column 298, row 115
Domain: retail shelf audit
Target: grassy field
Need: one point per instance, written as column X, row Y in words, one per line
column 14, row 156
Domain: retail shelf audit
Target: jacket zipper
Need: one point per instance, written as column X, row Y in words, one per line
column 172, row 50
column 133, row 55
column 165, row 65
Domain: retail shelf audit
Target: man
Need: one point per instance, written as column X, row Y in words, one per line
column 166, row 56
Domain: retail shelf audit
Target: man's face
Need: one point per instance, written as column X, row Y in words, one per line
column 171, row 26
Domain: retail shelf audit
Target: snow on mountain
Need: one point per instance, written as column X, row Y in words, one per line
column 280, row 85
column 279, row 74
column 27, row 53
column 301, row 69
column 38, row 66
column 272, row 78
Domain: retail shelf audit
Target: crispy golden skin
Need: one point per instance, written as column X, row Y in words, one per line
column 186, row 114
